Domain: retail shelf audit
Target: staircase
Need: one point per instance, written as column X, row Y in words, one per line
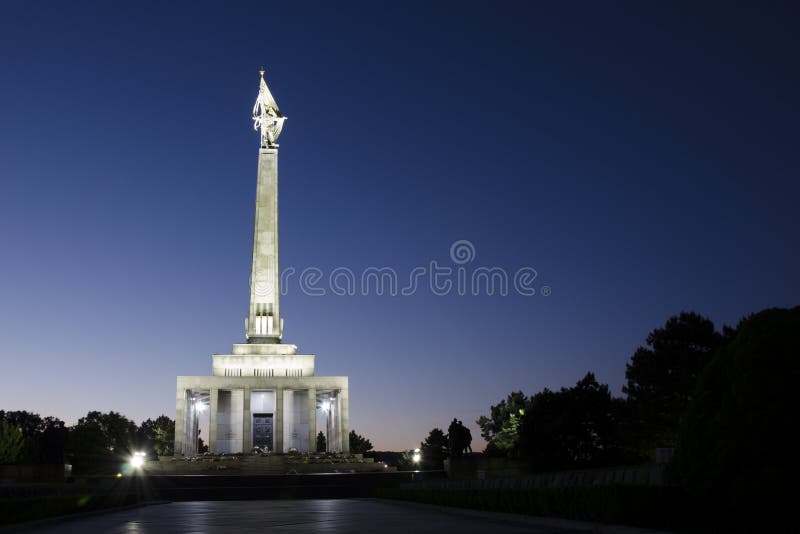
column 257, row 465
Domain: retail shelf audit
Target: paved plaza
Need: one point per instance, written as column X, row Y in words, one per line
column 313, row 515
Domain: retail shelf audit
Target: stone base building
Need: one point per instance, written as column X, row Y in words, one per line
column 262, row 395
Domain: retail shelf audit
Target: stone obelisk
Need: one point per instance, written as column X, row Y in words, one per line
column 264, row 323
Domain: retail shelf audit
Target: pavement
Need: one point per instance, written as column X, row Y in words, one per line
column 277, row 516
column 315, row 515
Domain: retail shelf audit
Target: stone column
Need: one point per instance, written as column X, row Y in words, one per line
column 338, row 423
column 247, row 421
column 312, row 419
column 329, row 439
column 180, row 422
column 192, row 435
column 344, row 403
column 279, row 420
column 213, row 403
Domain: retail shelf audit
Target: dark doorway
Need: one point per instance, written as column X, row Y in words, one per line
column 262, row 430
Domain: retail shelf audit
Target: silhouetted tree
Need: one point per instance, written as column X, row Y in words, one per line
column 30, row 424
column 572, row 428
column 500, row 429
column 100, row 440
column 118, row 432
column 459, row 438
column 322, row 444
column 736, row 447
column 52, row 441
column 434, row 449
column 661, row 377
column 43, row 438
column 359, row 444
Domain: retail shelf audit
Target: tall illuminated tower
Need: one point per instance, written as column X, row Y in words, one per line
column 263, row 394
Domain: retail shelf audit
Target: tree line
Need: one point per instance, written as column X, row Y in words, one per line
column 96, row 440
column 586, row 426
column 99, row 439
column 722, row 399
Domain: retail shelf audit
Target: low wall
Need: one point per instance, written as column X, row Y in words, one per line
column 478, row 466
column 32, row 473
column 497, row 473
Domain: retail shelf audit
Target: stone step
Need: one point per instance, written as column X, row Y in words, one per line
column 260, row 465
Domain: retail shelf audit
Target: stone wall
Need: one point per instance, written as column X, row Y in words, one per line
column 484, row 472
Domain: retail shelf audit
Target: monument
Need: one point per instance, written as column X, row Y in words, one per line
column 264, row 394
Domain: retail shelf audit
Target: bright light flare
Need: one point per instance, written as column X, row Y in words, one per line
column 137, row 460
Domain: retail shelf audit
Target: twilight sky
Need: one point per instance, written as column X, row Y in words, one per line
column 641, row 156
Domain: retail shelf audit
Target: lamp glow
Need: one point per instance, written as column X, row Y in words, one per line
column 137, row 460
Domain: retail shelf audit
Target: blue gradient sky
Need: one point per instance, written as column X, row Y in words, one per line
column 641, row 156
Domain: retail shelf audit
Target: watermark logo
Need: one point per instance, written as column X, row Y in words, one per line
column 461, row 276
column 263, row 282
column 462, row 251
